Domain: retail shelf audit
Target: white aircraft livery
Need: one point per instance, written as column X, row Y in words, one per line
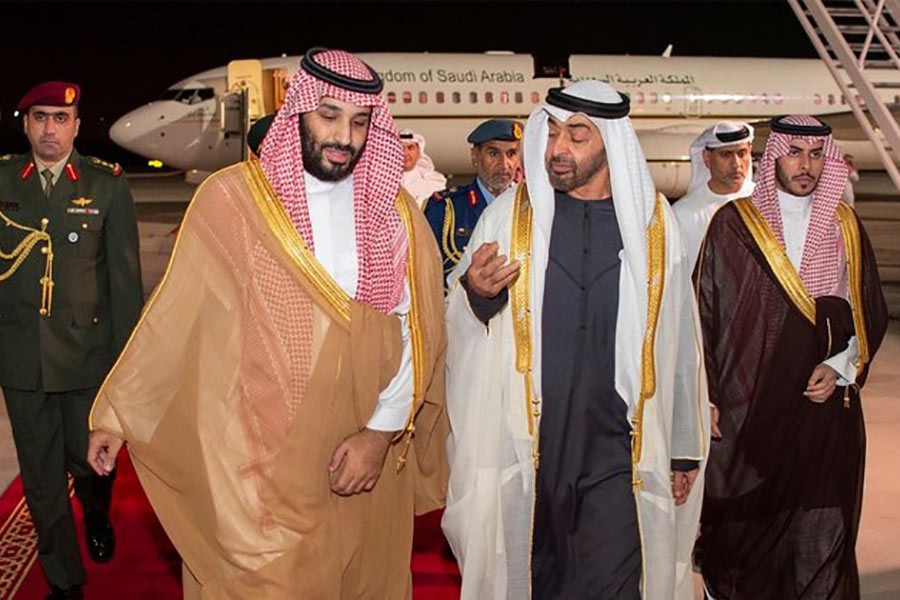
column 196, row 125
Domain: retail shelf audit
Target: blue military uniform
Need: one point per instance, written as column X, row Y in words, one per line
column 453, row 213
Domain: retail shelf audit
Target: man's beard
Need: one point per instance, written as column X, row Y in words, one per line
column 313, row 160
column 787, row 185
column 578, row 176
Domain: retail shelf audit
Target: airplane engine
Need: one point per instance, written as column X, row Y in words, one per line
column 671, row 178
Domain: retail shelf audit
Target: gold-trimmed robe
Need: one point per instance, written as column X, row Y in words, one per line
column 248, row 368
column 784, row 483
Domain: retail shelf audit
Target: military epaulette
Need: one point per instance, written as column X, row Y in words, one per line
column 102, row 165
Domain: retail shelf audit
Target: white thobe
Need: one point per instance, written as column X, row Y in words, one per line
column 422, row 183
column 694, row 211
column 334, row 239
column 795, row 214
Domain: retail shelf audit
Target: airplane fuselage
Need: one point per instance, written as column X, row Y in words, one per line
column 444, row 96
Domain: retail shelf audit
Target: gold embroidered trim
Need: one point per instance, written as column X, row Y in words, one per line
column 852, row 249
column 520, row 301
column 291, row 241
column 416, row 331
column 448, row 233
column 777, row 258
column 520, row 298
column 656, row 268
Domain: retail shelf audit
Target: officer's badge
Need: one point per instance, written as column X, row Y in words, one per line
column 81, row 202
column 517, row 131
column 70, row 95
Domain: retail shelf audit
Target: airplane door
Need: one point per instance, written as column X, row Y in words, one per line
column 693, row 101
column 248, row 75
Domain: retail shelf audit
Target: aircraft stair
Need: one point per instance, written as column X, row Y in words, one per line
column 858, row 41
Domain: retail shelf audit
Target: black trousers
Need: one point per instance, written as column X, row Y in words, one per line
column 50, row 431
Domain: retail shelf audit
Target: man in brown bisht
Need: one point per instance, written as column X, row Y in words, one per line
column 792, row 314
column 282, row 397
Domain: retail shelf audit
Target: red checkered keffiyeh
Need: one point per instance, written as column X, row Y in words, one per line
column 380, row 236
column 822, row 265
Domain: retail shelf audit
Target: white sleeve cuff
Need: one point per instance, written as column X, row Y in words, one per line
column 395, row 401
column 845, row 363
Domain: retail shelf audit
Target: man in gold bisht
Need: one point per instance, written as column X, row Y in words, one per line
column 270, row 393
column 576, row 395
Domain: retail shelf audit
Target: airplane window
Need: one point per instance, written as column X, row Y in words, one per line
column 489, row 97
column 439, row 96
column 779, row 98
column 843, row 99
column 738, row 98
column 535, row 98
column 817, row 99
column 392, row 97
column 830, row 98
column 423, row 97
column 667, row 98
column 639, row 97
column 457, row 98
column 188, row 95
column 519, row 98
column 473, row 97
column 407, row 97
column 654, row 97
column 896, row 99
column 764, row 98
column 504, row 97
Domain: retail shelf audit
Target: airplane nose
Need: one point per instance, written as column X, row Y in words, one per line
column 132, row 130
column 120, row 130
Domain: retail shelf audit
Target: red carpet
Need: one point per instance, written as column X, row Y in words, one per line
column 146, row 565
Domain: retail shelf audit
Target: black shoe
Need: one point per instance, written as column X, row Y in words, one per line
column 72, row 593
column 101, row 540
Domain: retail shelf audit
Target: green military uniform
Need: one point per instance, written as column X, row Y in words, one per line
column 70, row 295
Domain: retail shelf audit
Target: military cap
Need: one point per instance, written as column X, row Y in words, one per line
column 505, row 130
column 258, row 132
column 51, row 93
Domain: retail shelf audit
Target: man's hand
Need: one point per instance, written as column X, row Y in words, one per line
column 714, row 430
column 489, row 274
column 103, row 447
column 682, row 481
column 821, row 383
column 357, row 462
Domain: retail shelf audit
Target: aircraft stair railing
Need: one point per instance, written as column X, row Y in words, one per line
column 859, row 43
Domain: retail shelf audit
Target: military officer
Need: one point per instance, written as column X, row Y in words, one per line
column 70, row 294
column 454, row 212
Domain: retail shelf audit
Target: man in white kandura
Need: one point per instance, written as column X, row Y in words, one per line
column 420, row 178
column 576, row 395
column 720, row 172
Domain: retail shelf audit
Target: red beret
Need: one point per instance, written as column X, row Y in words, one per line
column 51, row 93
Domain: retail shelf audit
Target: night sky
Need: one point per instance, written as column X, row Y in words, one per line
column 124, row 61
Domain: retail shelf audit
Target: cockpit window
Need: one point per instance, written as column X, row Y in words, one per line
column 188, row 95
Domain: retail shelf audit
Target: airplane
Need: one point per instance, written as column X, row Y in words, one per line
column 198, row 124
